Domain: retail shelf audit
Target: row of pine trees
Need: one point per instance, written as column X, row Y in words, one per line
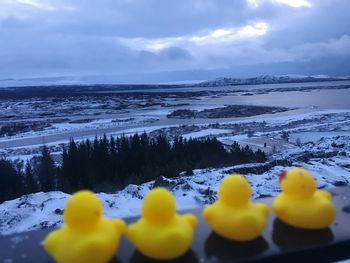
column 109, row 164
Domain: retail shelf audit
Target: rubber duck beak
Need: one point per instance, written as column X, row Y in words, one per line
column 282, row 175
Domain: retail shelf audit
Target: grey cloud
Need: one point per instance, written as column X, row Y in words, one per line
column 175, row 53
column 80, row 36
column 13, row 22
column 325, row 20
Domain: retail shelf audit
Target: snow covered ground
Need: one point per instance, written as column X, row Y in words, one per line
column 89, row 124
column 204, row 133
column 319, row 140
column 327, row 159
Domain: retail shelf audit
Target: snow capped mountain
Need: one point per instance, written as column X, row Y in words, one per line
column 267, row 79
column 86, row 80
column 327, row 159
column 115, row 80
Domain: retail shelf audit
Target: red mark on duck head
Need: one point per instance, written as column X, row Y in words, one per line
column 282, row 175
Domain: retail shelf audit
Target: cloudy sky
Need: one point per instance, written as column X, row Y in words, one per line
column 169, row 40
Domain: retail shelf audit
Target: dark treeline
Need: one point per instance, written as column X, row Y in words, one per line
column 76, row 91
column 107, row 164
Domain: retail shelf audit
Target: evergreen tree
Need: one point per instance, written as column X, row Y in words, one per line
column 73, row 166
column 19, row 168
column 31, row 185
column 46, row 171
column 63, row 182
column 138, row 158
column 112, row 160
column 11, row 184
column 260, row 156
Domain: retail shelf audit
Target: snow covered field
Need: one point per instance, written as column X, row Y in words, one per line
column 318, row 128
column 204, row 133
column 327, row 159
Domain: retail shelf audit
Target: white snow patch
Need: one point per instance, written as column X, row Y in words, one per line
column 41, row 210
column 205, row 132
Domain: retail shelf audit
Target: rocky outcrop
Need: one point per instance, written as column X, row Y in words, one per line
column 260, row 168
column 225, row 112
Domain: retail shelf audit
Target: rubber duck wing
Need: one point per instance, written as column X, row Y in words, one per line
column 323, row 194
column 191, row 219
column 96, row 245
column 263, row 208
column 132, row 231
column 51, row 241
column 120, row 225
column 208, row 213
column 90, row 249
column 279, row 207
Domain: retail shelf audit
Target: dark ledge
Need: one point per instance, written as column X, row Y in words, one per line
column 278, row 243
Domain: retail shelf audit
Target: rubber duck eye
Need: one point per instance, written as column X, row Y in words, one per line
column 282, row 176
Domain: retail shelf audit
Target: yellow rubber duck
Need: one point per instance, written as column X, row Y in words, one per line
column 300, row 204
column 86, row 235
column 233, row 216
column 161, row 233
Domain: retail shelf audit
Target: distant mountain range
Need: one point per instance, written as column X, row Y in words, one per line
column 267, row 79
column 113, row 80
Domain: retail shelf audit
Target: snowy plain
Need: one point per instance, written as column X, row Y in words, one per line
column 327, row 159
column 319, row 140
